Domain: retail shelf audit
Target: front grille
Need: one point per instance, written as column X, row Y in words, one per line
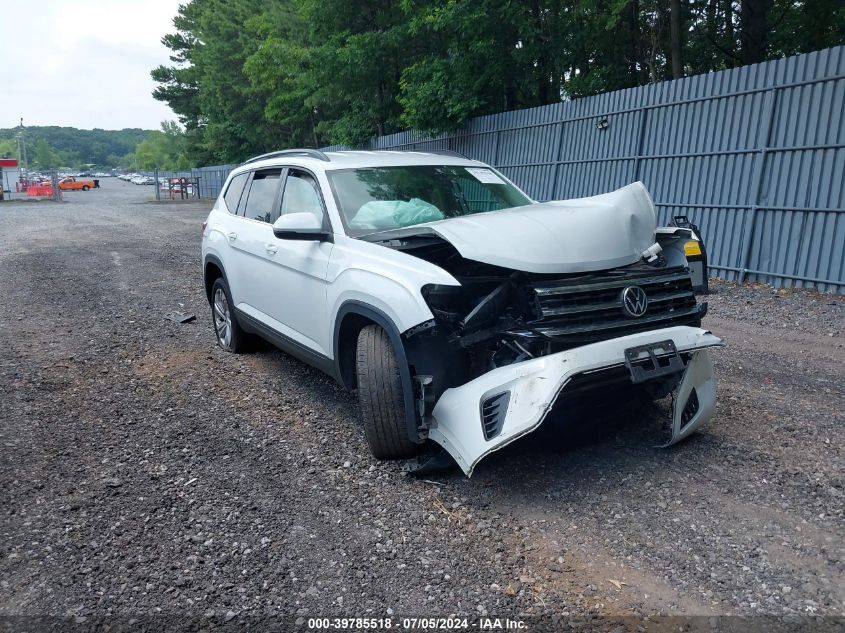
column 590, row 308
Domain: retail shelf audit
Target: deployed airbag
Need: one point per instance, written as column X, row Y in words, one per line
column 390, row 214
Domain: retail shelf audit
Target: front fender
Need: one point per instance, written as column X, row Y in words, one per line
column 385, row 278
column 403, row 306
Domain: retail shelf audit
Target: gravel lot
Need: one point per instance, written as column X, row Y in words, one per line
column 146, row 472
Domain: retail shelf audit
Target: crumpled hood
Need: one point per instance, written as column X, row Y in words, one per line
column 567, row 236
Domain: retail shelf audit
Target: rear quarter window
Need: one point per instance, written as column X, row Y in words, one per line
column 234, row 192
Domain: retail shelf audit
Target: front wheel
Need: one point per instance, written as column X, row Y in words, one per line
column 230, row 335
column 381, row 396
column 85, row 187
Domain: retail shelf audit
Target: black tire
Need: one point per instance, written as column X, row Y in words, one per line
column 85, row 187
column 381, row 396
column 228, row 332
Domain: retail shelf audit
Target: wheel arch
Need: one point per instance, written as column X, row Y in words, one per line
column 211, row 271
column 351, row 318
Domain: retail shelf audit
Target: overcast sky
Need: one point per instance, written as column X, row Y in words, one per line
column 83, row 63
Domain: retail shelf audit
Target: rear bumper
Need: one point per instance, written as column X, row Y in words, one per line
column 533, row 386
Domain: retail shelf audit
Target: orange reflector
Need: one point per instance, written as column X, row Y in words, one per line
column 692, row 248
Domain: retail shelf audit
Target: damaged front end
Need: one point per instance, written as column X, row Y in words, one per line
column 495, row 409
column 507, row 344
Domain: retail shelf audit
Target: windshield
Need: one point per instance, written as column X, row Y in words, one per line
column 380, row 198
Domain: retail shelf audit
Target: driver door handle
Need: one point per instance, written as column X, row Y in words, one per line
column 233, row 237
column 272, row 249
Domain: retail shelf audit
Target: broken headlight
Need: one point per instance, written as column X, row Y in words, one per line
column 444, row 302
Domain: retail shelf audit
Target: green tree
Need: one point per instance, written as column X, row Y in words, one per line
column 163, row 149
column 469, row 66
column 43, row 156
column 222, row 111
column 8, row 148
column 357, row 62
column 74, row 147
column 284, row 67
column 127, row 161
column 248, row 76
column 804, row 26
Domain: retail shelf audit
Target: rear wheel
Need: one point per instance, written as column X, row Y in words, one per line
column 381, row 396
column 230, row 335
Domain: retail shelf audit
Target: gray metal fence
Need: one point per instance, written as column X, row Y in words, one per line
column 755, row 156
column 211, row 179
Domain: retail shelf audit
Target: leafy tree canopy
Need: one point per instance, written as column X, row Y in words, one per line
column 56, row 147
column 248, row 76
column 165, row 149
column 49, row 147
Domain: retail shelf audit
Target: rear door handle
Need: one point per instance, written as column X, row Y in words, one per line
column 271, row 248
column 233, row 237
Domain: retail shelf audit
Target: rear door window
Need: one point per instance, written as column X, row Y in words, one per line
column 262, row 195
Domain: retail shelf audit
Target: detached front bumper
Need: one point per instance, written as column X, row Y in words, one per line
column 485, row 414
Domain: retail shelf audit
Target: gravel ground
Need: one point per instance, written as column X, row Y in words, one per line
column 145, row 472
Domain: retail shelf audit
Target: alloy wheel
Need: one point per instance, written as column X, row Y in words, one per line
column 222, row 319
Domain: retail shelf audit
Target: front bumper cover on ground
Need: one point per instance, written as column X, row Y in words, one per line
column 533, row 386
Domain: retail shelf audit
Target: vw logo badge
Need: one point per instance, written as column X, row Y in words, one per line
column 634, row 301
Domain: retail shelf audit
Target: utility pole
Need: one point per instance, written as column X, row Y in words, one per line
column 21, row 138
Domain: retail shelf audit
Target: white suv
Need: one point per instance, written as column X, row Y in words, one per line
column 457, row 308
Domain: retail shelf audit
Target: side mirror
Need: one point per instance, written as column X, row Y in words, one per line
column 300, row 226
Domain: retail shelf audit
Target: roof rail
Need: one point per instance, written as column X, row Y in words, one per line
column 442, row 152
column 311, row 153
